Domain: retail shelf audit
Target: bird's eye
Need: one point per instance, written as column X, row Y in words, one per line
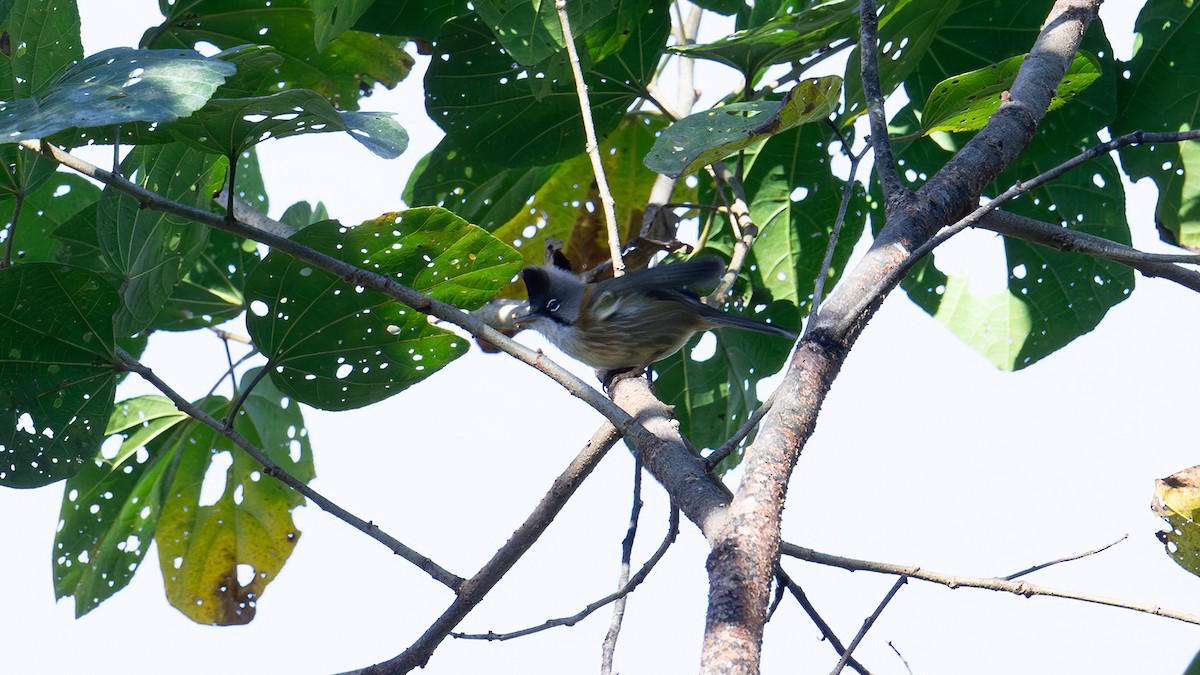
column 552, row 305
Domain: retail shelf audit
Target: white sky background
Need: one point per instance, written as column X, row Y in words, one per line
column 925, row 455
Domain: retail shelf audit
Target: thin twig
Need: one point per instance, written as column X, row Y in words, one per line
column 862, row 632
column 12, row 230
column 270, row 468
column 477, row 587
column 744, row 229
column 902, row 659
column 593, row 145
column 245, row 393
column 835, row 233
column 609, row 648
column 894, row 192
column 1072, row 558
column 634, row 582
column 735, row 440
column 897, row 273
column 1022, row 588
column 826, row 631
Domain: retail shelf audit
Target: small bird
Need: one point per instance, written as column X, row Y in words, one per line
column 630, row 321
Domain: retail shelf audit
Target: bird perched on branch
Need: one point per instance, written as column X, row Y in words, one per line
column 630, row 321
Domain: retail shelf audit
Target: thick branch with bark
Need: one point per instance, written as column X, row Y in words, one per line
column 746, row 552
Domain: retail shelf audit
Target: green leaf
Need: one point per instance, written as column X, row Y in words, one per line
column 218, row 559
column 44, row 35
column 703, row 138
column 1177, row 501
column 781, row 40
column 231, row 126
column 110, row 508
column 334, row 17
column 343, row 72
column 337, row 347
column 1160, row 94
column 514, row 116
column 907, row 28
column 302, row 214
column 794, row 198
column 410, row 18
column 57, row 374
column 149, row 249
column 530, row 30
column 965, row 102
column 116, row 86
column 211, row 292
column 44, row 210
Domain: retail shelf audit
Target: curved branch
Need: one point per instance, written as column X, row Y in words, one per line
column 895, row 195
column 994, row 583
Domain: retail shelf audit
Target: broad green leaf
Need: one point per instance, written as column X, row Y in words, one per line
column 907, row 28
column 343, row 72
column 1051, row 297
column 530, row 30
column 793, row 199
column 211, row 292
column 1160, row 94
column 218, row 559
column 1177, row 501
column 417, row 19
column 336, row 347
column 149, row 249
column 781, row 40
column 334, row 17
column 116, row 86
column 475, row 189
column 515, row 116
column 965, row 102
column 706, row 137
column 231, row 126
column 57, row 373
column 726, row 7
column 567, row 207
column 110, row 508
column 302, row 214
column 54, row 202
column 44, row 39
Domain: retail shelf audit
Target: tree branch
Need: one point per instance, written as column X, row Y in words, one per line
column 593, row 145
column 826, row 631
column 895, row 194
column 1160, row 265
column 746, row 552
column 609, row 648
column 626, row 589
column 472, row 591
column 862, row 632
column 270, row 468
column 994, row 583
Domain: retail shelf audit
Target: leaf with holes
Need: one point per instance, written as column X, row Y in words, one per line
column 334, row 17
column 110, row 509
column 57, row 373
column 230, row 126
column 1160, row 94
column 1177, row 501
column 706, row 137
column 965, row 102
column 217, row 559
column 152, row 250
column 46, row 34
column 530, row 30
column 1051, row 298
column 781, row 40
column 53, row 203
column 514, row 116
column 211, row 292
column 344, row 71
column 335, row 346
column 116, row 86
column 416, row 19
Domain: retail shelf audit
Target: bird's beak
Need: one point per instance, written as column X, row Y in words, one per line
column 522, row 319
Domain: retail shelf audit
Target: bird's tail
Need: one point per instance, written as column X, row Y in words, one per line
column 720, row 318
